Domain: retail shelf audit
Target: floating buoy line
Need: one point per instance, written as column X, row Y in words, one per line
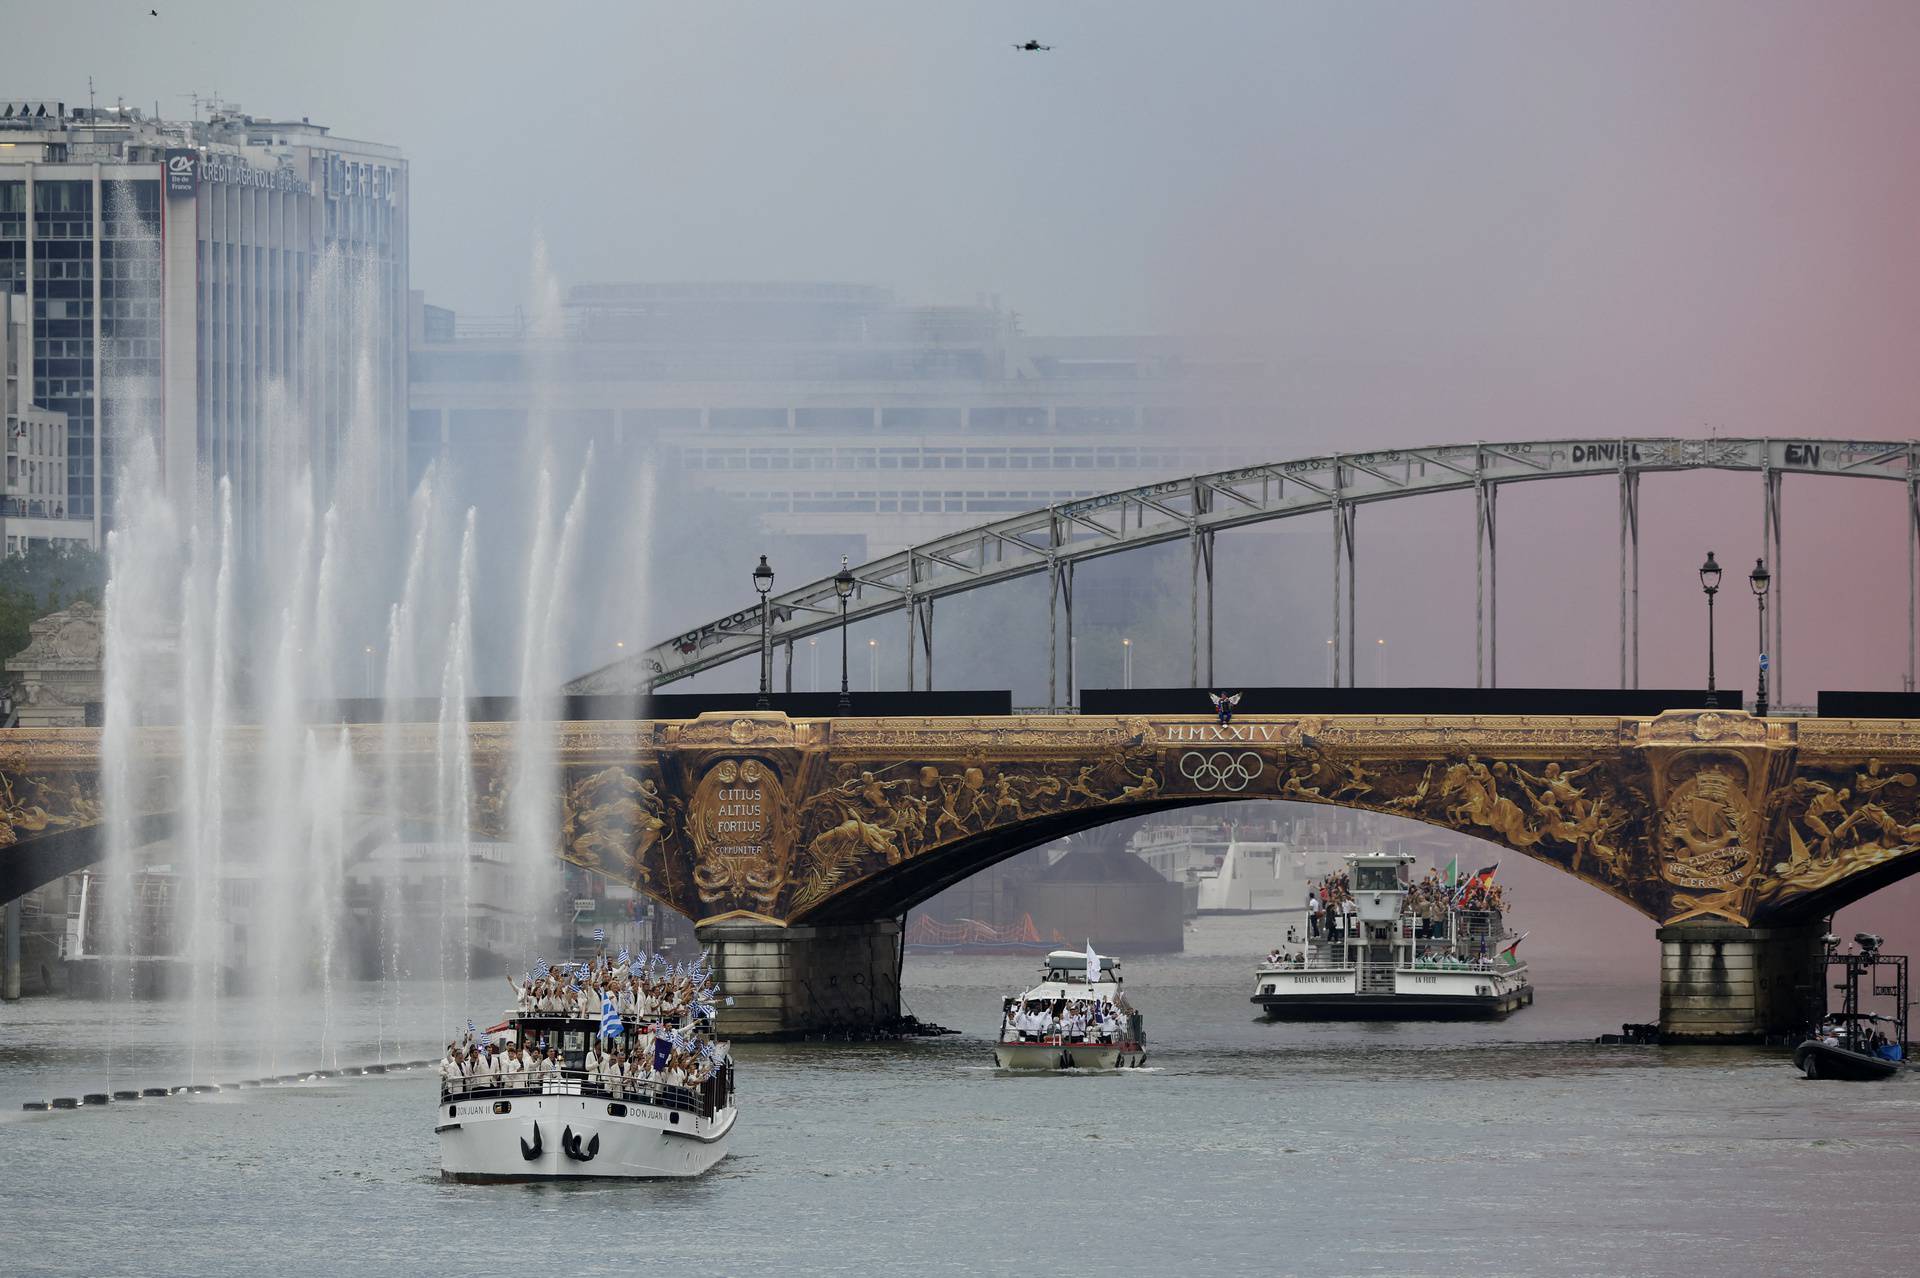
column 93, row 1100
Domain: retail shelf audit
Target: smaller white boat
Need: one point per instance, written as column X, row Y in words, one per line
column 1077, row 1017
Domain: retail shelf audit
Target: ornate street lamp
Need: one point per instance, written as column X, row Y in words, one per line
column 1760, row 579
column 763, row 582
column 843, row 586
column 1710, row 582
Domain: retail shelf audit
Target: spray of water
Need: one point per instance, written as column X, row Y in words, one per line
column 242, row 610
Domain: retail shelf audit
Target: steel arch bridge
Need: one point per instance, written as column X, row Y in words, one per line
column 1055, row 539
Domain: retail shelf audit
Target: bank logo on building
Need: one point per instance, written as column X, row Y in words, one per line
column 181, row 179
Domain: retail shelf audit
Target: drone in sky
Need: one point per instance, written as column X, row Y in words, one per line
column 1033, row 46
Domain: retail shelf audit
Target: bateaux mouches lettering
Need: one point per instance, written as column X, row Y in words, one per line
column 1173, row 732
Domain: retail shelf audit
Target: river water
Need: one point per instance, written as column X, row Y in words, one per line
column 1512, row 1148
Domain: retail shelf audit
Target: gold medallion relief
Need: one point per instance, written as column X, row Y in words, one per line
column 739, row 821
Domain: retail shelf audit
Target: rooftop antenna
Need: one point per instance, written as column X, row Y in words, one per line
column 89, row 97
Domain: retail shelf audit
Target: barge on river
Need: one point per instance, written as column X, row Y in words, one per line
column 1378, row 957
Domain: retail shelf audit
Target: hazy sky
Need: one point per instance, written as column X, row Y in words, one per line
column 1538, row 190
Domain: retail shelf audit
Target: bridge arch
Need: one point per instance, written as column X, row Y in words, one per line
column 898, row 888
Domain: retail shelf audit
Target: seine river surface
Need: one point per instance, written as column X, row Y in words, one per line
column 1512, row 1148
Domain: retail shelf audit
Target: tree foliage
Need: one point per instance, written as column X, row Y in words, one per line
column 44, row 580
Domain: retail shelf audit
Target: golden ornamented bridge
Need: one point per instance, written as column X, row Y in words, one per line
column 798, row 844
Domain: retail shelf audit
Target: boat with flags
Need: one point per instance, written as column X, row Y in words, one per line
column 602, row 1069
column 1386, row 947
column 1077, row 1017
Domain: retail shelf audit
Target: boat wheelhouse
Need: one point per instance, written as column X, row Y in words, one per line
column 1069, row 1021
column 571, row 1122
column 1380, row 956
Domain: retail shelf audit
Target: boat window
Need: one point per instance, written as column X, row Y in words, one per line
column 503, row 1107
column 1376, row 878
column 576, row 1041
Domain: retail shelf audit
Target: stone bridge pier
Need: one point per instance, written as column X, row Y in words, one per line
column 789, row 982
column 1724, row 983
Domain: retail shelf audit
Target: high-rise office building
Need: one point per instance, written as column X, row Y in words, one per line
column 175, row 272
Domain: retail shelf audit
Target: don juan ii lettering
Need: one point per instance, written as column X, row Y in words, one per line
column 1217, row 731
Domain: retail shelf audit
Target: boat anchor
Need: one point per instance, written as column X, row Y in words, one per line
column 571, row 1144
column 533, row 1151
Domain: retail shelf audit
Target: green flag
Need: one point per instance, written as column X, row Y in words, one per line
column 1453, row 871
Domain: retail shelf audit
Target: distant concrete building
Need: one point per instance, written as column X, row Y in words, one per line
column 34, row 509
column 173, row 270
column 830, row 410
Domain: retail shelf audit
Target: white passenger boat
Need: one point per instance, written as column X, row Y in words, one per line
column 1069, row 1021
column 576, row 1125
column 1380, row 958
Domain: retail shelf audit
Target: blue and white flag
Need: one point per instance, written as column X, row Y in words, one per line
column 610, row 1024
column 541, row 969
column 599, row 934
column 662, row 1048
column 624, row 956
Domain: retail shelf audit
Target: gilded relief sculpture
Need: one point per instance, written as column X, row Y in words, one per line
column 1693, row 815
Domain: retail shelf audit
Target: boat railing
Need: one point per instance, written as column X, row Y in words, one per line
column 1460, row 965
column 701, row 1099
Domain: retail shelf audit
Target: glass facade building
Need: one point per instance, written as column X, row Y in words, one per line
column 176, row 273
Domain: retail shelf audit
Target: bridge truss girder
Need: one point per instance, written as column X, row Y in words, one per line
column 1056, row 538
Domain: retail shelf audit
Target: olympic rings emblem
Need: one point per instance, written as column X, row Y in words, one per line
column 1222, row 769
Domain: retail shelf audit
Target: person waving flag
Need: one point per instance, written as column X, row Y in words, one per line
column 610, row 1023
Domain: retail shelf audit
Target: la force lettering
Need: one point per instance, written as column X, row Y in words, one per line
column 1257, row 733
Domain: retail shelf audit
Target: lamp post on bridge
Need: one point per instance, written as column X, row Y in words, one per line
column 873, row 665
column 763, row 582
column 1126, row 663
column 1760, row 579
column 1710, row 582
column 843, row 587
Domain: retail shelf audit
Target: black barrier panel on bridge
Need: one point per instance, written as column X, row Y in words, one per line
column 1634, row 702
column 678, row 705
column 1869, row 705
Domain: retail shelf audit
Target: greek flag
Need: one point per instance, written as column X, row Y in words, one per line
column 599, row 934
column 624, row 956
column 610, row 1026
column 541, row 969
